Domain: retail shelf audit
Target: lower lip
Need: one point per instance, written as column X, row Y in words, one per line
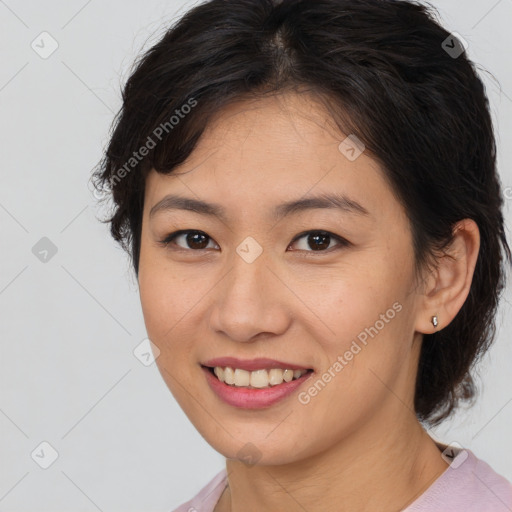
column 252, row 398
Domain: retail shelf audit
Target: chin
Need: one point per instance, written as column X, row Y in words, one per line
column 251, row 448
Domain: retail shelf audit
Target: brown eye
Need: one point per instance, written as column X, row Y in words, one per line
column 195, row 240
column 315, row 241
column 319, row 241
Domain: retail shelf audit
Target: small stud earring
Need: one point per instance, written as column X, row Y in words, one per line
column 434, row 321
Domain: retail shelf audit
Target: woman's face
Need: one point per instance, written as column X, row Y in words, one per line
column 254, row 284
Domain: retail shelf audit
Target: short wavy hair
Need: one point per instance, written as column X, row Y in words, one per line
column 387, row 72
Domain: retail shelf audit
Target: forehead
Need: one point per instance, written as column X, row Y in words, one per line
column 264, row 152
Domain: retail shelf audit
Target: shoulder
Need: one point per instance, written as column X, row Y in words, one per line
column 206, row 499
column 469, row 484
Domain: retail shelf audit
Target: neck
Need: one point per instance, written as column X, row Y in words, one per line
column 371, row 470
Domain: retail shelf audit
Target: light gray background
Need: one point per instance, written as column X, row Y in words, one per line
column 69, row 326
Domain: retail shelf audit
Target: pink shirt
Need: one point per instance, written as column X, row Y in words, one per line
column 468, row 485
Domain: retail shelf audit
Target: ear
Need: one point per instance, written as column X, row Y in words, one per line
column 448, row 285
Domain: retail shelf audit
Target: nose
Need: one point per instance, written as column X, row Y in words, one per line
column 250, row 302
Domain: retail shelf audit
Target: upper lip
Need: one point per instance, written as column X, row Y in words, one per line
column 251, row 364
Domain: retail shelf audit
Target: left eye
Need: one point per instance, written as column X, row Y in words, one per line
column 319, row 241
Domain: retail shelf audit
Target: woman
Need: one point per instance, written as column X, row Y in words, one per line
column 309, row 195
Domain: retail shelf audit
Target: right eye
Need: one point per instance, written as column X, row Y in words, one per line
column 196, row 240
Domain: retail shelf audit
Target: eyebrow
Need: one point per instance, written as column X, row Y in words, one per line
column 331, row 201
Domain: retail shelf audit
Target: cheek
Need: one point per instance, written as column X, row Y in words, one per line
column 172, row 310
column 164, row 293
column 155, row 302
column 164, row 309
column 365, row 360
column 163, row 304
column 367, row 311
column 355, row 299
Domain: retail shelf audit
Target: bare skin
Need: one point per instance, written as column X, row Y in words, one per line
column 356, row 445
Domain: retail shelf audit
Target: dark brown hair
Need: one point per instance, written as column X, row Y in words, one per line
column 387, row 74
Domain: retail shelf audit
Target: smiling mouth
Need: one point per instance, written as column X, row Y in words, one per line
column 257, row 379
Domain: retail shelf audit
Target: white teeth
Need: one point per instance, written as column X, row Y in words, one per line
column 229, row 376
column 257, row 378
column 219, row 372
column 288, row 375
column 275, row 376
column 242, row 377
column 296, row 374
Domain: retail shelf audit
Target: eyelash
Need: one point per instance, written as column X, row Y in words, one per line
column 342, row 242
